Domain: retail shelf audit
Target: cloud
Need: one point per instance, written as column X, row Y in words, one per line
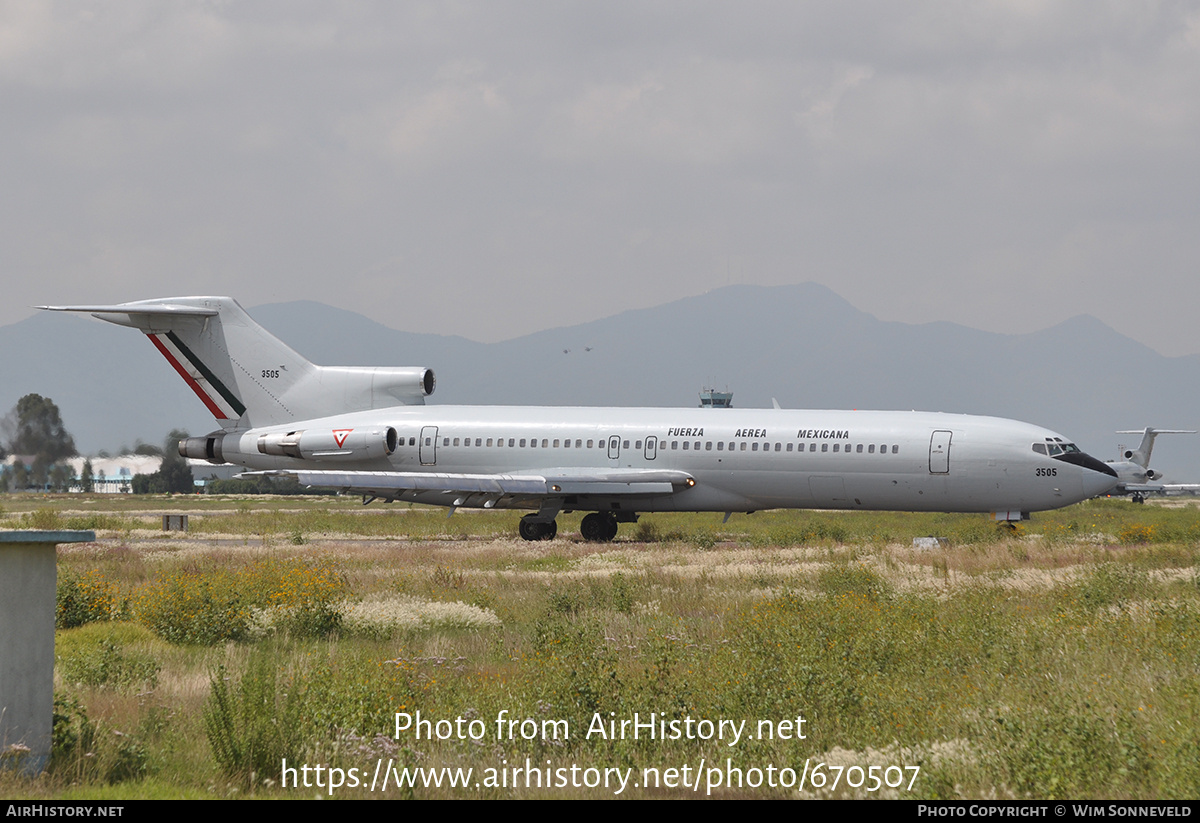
column 515, row 157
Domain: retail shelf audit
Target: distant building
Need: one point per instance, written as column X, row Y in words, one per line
column 713, row 399
column 114, row 475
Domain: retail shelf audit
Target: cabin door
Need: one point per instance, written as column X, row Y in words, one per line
column 428, row 445
column 939, row 453
column 614, row 447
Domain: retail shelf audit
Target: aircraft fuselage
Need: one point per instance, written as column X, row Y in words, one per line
column 740, row 459
column 341, row 427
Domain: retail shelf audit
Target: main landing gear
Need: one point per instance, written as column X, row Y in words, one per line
column 598, row 527
column 531, row 529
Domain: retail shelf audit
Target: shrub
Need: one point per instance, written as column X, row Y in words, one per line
column 84, row 599
column 47, row 519
column 215, row 605
column 190, row 607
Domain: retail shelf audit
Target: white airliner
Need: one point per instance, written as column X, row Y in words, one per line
column 1134, row 475
column 368, row 431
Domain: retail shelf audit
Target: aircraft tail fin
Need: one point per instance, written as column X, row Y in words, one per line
column 246, row 376
column 1141, row 455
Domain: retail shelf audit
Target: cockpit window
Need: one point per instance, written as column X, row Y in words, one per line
column 1056, row 447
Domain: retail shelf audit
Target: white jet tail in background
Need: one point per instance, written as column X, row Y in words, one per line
column 245, row 375
column 1141, row 455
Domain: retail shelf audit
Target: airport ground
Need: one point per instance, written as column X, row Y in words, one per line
column 1060, row 661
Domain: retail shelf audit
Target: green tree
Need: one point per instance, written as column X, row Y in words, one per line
column 174, row 475
column 86, row 479
column 39, row 472
column 60, row 477
column 35, row 427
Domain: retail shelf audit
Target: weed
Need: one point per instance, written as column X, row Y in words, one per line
column 84, row 599
column 651, row 531
column 1063, row 751
column 254, row 724
column 1137, row 533
column 562, row 602
column 217, row 604
column 620, row 598
column 443, row 578
column 1109, row 584
column 856, row 579
column 72, row 736
column 47, row 519
column 105, row 663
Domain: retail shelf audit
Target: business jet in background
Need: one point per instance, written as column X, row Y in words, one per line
column 367, row 430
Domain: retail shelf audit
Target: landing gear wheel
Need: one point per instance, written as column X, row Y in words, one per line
column 532, row 530
column 610, row 528
column 1137, row 498
column 592, row 527
column 598, row 527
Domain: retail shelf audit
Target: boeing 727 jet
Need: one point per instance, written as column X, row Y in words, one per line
column 367, row 430
column 1134, row 475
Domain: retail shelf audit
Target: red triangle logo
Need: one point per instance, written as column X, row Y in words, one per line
column 340, row 435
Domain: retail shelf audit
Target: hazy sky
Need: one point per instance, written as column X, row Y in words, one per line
column 494, row 168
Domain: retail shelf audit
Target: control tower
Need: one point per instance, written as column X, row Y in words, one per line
column 713, row 399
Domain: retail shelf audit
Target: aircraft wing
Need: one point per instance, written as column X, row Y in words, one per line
column 548, row 483
column 1129, row 488
column 1180, row 488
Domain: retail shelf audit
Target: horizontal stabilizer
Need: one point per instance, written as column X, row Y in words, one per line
column 143, row 307
column 138, row 314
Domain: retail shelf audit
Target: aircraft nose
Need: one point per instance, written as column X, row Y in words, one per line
column 1098, row 477
column 1086, row 461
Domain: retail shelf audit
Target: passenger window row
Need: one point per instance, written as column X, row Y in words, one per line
column 687, row 445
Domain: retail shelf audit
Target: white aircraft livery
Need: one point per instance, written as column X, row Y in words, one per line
column 1134, row 475
column 368, row 431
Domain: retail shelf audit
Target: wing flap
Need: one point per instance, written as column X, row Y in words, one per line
column 553, row 483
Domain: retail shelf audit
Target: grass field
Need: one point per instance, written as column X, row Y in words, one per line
column 1060, row 661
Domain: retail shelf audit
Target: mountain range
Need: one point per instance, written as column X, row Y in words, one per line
column 800, row 344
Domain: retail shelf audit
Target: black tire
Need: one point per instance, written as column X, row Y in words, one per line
column 598, row 527
column 532, row 530
column 529, row 529
column 591, row 528
column 610, row 528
